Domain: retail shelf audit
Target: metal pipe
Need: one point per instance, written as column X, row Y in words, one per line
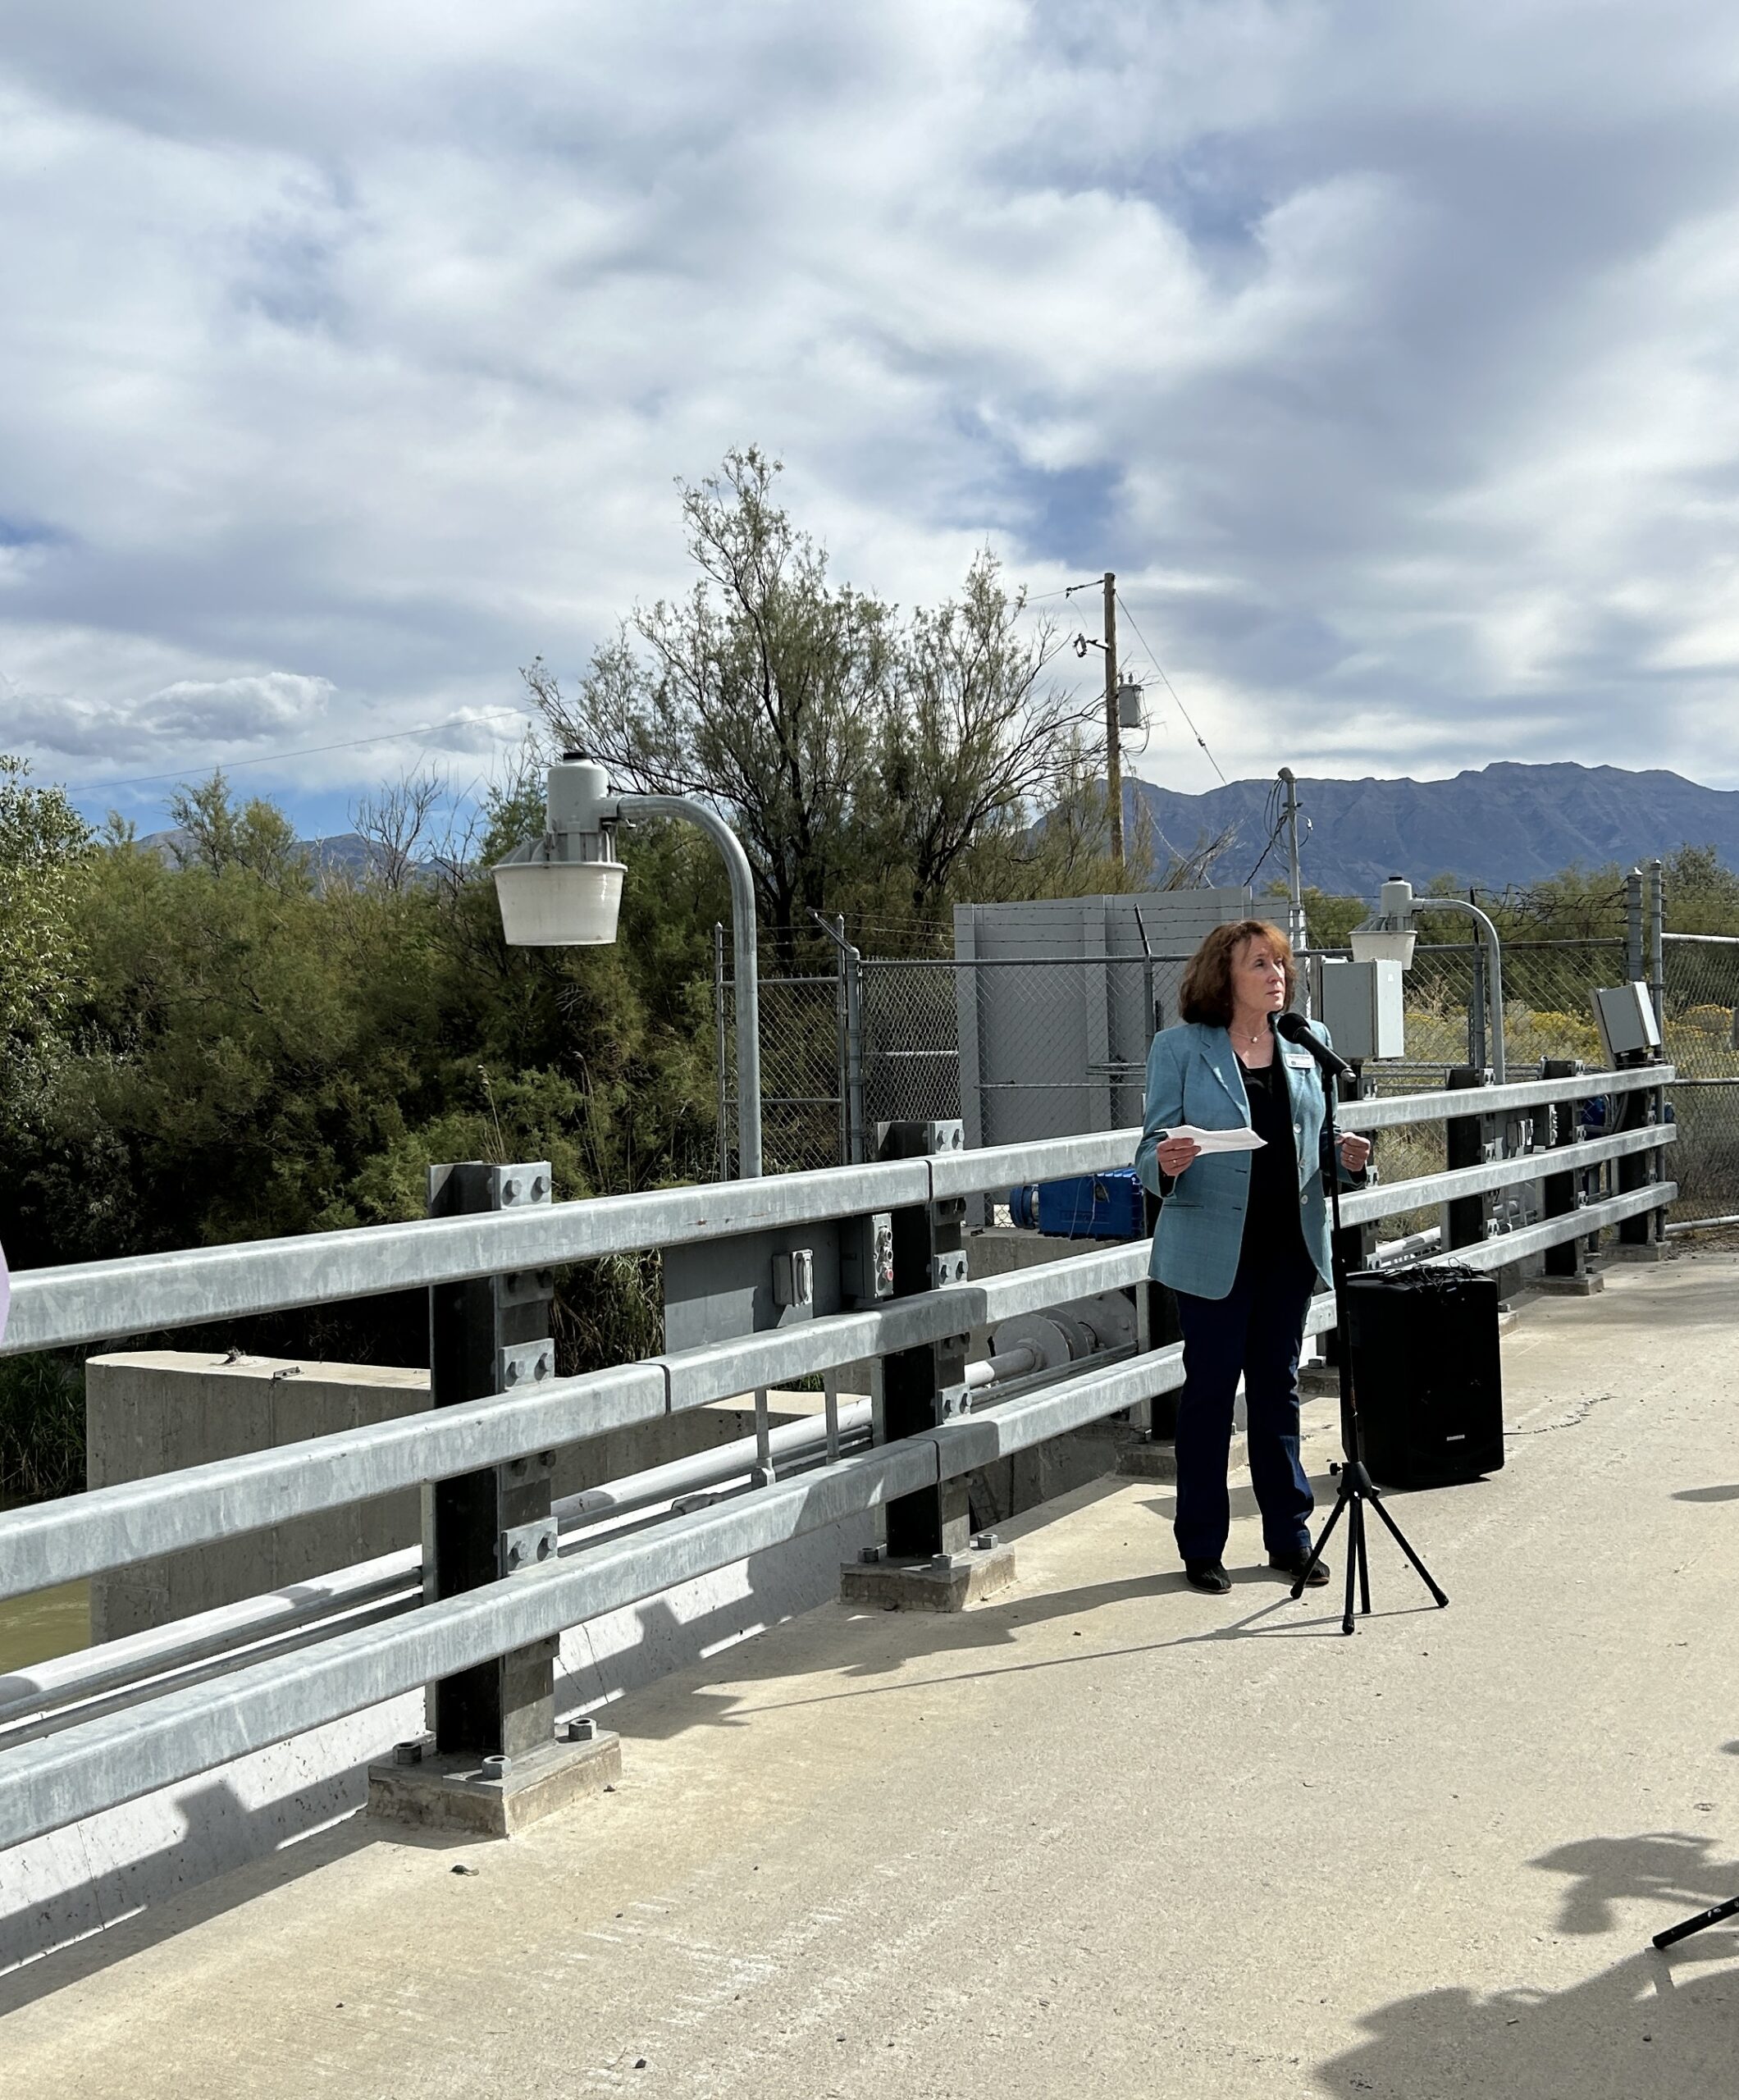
column 744, row 940
column 1633, row 925
column 762, row 1476
column 703, row 1469
column 40, row 1688
column 1494, row 970
column 1657, row 942
column 1009, row 1363
column 723, row 1076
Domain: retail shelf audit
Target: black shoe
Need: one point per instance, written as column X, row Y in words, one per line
column 1209, row 1575
column 1294, row 1564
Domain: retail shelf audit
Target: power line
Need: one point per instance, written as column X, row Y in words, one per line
column 1172, row 689
column 1068, row 591
column 306, row 750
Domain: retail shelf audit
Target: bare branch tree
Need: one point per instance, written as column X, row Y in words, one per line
column 393, row 823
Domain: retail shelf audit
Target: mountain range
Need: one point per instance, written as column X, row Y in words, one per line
column 1506, row 823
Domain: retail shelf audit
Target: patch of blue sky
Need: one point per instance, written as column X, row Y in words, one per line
column 16, row 532
column 1065, row 515
column 289, row 281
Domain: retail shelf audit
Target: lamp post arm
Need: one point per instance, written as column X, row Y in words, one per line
column 1494, row 969
column 743, row 936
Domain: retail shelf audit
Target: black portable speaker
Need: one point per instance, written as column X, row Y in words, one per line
column 1425, row 1374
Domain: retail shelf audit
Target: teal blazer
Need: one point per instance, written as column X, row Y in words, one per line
column 1194, row 1077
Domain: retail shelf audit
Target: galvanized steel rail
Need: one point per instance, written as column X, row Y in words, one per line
column 118, row 1755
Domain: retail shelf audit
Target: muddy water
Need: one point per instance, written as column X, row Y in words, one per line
column 51, row 1623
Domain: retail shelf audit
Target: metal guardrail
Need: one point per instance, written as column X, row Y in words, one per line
column 170, row 1735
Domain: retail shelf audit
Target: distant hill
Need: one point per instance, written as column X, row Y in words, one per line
column 347, row 851
column 1505, row 824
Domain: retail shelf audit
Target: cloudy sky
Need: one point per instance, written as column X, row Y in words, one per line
column 1386, row 349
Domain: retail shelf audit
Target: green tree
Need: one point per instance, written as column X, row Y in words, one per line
column 216, row 833
column 44, row 843
column 1701, row 896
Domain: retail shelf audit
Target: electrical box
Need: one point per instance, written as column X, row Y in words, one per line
column 794, row 1277
column 866, row 1258
column 1625, row 1015
column 1362, row 1009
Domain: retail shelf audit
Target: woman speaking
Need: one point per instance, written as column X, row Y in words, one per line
column 1243, row 1236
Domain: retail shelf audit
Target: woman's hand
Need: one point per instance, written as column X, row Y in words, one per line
column 1355, row 1152
column 1175, row 1154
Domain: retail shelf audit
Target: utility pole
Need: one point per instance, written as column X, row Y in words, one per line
column 1113, row 747
column 1296, row 932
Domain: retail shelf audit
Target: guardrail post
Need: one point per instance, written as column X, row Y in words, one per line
column 488, row 1336
column 923, row 1386
column 933, row 1563
column 1465, row 1141
column 1564, row 1269
column 491, row 1761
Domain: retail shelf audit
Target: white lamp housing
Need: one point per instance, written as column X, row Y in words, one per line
column 1388, row 936
column 564, row 890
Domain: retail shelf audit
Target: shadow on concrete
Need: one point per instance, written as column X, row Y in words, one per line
column 1707, row 1494
column 994, row 1625
column 1651, row 2024
column 153, row 1897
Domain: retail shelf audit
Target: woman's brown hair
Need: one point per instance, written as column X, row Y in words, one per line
column 1206, row 993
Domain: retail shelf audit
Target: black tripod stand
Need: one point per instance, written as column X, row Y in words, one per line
column 1673, row 1934
column 1356, row 1486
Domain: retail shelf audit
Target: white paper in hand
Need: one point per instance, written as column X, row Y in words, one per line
column 1243, row 1139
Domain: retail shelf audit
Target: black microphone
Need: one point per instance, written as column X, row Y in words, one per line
column 1295, row 1029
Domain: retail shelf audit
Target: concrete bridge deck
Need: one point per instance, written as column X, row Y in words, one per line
column 1102, row 1835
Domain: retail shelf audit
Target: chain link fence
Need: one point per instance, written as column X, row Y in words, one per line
column 1700, row 1029
column 1047, row 1046
column 802, row 1039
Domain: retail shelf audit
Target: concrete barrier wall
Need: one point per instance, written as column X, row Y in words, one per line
column 154, row 1411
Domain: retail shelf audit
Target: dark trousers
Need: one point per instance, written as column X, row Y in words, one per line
column 1256, row 1328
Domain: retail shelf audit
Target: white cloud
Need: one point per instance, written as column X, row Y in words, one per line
column 1384, row 352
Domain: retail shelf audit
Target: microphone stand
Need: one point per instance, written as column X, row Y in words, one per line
column 1357, row 1488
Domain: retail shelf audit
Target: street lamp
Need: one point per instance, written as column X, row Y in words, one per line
column 1388, row 936
column 564, row 890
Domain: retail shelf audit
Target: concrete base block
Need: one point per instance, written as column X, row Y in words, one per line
column 1646, row 1250
column 1582, row 1286
column 1148, row 1462
column 448, row 1792
column 949, row 1582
